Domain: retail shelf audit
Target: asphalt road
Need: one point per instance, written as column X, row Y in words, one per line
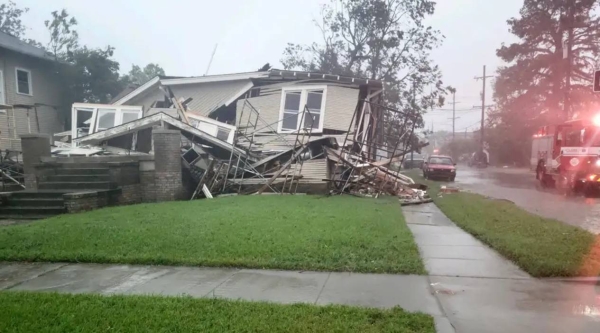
column 521, row 187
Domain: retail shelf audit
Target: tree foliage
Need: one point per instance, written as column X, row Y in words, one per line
column 88, row 74
column 378, row 39
column 64, row 39
column 531, row 89
column 10, row 19
column 138, row 76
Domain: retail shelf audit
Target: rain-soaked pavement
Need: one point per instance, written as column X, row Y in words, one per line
column 521, row 187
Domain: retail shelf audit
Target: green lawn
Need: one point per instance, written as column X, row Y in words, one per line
column 47, row 312
column 341, row 233
column 542, row 247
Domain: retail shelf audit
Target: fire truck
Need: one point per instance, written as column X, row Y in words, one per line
column 567, row 156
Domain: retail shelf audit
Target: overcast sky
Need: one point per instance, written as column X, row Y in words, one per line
column 180, row 36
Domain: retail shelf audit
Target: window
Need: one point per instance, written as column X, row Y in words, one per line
column 223, row 133
column 295, row 102
column 106, row 118
column 441, row 160
column 23, row 81
column 130, row 116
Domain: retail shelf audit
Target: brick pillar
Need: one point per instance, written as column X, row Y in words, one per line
column 34, row 146
column 167, row 164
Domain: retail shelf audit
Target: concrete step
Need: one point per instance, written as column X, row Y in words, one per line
column 40, row 194
column 11, row 188
column 26, row 210
column 79, row 178
column 82, row 171
column 76, row 185
column 36, row 202
column 91, row 165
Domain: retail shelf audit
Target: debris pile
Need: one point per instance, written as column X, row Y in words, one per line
column 233, row 158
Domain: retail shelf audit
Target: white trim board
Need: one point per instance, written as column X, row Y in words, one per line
column 138, row 91
column 304, row 92
column 214, row 78
column 29, row 81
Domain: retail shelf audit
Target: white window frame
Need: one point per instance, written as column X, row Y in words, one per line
column 93, row 128
column 303, row 96
column 30, row 81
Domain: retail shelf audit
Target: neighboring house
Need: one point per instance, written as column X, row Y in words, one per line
column 29, row 94
column 279, row 96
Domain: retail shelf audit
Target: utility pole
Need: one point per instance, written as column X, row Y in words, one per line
column 482, row 104
column 454, row 111
column 414, row 112
column 569, row 55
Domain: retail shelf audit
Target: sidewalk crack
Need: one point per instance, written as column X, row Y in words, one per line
column 321, row 291
column 36, row 276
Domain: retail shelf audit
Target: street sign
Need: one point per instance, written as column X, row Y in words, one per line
column 597, row 81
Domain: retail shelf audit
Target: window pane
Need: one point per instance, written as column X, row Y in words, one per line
column 223, row 134
column 23, row 82
column 106, row 118
column 292, row 101
column 129, row 116
column 316, row 118
column 290, row 121
column 314, row 100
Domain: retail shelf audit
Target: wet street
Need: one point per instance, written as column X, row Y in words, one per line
column 521, row 187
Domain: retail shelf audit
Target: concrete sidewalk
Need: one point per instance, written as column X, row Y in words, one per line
column 411, row 292
column 480, row 291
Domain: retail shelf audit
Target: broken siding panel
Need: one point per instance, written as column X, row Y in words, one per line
column 48, row 118
column 267, row 104
column 341, row 103
column 208, row 97
column 314, row 169
column 4, row 131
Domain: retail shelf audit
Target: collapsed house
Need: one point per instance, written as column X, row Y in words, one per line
column 270, row 116
column 268, row 131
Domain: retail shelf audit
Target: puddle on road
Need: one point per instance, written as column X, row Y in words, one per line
column 521, row 188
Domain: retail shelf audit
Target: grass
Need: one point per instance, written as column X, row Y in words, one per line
column 542, row 247
column 340, row 233
column 48, row 312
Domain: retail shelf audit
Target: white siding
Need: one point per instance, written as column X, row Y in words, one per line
column 341, row 103
column 339, row 108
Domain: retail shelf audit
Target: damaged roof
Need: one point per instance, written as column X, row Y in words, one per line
column 272, row 74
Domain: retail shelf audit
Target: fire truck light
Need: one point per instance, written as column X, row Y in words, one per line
column 597, row 162
column 591, row 177
column 596, row 120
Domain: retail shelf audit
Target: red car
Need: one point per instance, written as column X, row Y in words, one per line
column 439, row 167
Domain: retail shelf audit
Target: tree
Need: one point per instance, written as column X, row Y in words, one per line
column 88, row 74
column 531, row 89
column 63, row 38
column 378, row 39
column 10, row 19
column 138, row 76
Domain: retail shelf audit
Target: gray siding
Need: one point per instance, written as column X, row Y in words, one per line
column 45, row 90
column 147, row 98
column 207, row 97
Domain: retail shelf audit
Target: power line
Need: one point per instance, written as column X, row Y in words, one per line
column 475, row 123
